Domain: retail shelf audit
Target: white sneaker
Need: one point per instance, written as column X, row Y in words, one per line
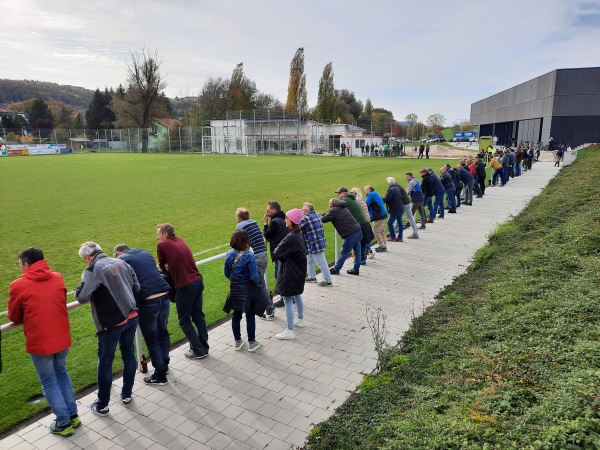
column 299, row 322
column 239, row 344
column 286, row 334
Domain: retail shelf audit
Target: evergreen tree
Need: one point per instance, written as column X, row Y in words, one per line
column 99, row 113
column 296, row 102
column 326, row 99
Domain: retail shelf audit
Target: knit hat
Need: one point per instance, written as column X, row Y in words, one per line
column 294, row 215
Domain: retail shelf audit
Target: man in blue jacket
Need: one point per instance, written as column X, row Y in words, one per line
column 153, row 308
column 377, row 214
column 468, row 182
column 438, row 192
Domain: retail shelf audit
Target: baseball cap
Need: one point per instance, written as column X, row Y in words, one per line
column 341, row 189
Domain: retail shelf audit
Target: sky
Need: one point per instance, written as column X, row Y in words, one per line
column 421, row 57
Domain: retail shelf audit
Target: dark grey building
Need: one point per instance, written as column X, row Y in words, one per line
column 563, row 104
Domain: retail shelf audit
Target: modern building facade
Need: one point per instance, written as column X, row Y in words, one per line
column 563, row 104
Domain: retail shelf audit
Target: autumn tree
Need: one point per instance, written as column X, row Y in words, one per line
column 436, row 122
column 242, row 91
column 143, row 98
column 213, row 98
column 296, row 102
column 326, row 99
column 39, row 114
column 348, row 109
column 99, row 113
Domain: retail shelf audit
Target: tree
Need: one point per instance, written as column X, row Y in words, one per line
column 267, row 101
column 39, row 114
column 213, row 98
column 412, row 120
column 436, row 122
column 144, row 98
column 368, row 107
column 296, row 102
column 353, row 109
column 241, row 90
column 99, row 113
column 326, row 100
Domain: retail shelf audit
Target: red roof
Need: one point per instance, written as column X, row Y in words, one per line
column 169, row 123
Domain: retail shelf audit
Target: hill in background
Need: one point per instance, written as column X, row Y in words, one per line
column 12, row 91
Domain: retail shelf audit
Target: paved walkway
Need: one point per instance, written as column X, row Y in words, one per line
column 273, row 398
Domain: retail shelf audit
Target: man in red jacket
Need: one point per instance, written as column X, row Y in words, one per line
column 38, row 301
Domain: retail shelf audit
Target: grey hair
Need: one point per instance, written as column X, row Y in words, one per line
column 89, row 248
column 391, row 181
column 430, row 170
column 309, row 207
column 121, row 248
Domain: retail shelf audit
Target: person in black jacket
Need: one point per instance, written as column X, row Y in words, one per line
column 427, row 187
column 481, row 174
column 291, row 254
column 274, row 231
column 349, row 229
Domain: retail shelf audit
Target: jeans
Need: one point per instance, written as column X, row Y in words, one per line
column 451, row 197
column 411, row 218
column 429, row 204
column 518, row 169
column 457, row 196
column 250, row 325
column 56, row 385
column 395, row 219
column 499, row 173
column 320, row 260
column 261, row 265
column 352, row 242
column 153, row 318
column 468, row 192
column 438, row 206
column 504, row 175
column 289, row 308
column 481, row 181
column 107, row 345
column 188, row 300
column 476, row 187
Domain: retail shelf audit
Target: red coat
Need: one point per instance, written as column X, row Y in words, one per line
column 472, row 169
column 38, row 300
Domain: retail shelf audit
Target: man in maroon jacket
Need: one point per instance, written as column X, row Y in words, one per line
column 38, row 301
column 175, row 257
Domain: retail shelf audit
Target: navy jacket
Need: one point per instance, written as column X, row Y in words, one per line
column 144, row 266
column 438, row 187
column 465, row 176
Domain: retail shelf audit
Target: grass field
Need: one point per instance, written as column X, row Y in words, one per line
column 509, row 356
column 57, row 202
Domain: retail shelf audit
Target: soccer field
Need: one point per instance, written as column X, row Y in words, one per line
column 57, row 202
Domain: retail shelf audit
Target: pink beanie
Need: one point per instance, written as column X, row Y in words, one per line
column 294, row 215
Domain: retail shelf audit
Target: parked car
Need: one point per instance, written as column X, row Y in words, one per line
column 474, row 139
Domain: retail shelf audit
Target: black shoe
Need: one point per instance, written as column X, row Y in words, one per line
column 440, row 217
column 153, row 379
column 479, row 196
column 332, row 271
column 452, row 211
column 279, row 304
column 352, row 272
column 422, row 227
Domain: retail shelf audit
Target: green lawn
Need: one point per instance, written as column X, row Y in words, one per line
column 509, row 356
column 57, row 202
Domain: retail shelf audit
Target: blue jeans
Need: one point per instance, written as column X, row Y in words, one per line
column 250, row 325
column 457, row 196
column 154, row 316
column 261, row 265
column 320, row 260
column 439, row 205
column 499, row 173
column 188, row 301
column 451, row 197
column 476, row 188
column 124, row 336
column 289, row 308
column 397, row 219
column 56, row 385
column 429, row 204
column 352, row 242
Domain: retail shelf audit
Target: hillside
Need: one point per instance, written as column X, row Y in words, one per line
column 12, row 91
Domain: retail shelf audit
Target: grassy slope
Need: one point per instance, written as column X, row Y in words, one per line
column 58, row 202
column 509, row 357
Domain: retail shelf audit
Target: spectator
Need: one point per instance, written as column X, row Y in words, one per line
column 368, row 250
column 378, row 214
column 362, row 219
column 416, row 198
column 108, row 284
column 314, row 239
column 427, row 187
column 438, row 192
column 349, row 229
column 481, row 174
column 274, row 231
column 450, row 188
column 468, row 181
column 38, row 301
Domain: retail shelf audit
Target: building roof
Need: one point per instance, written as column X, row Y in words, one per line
column 169, row 123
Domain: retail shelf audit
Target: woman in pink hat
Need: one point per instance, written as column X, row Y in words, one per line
column 291, row 254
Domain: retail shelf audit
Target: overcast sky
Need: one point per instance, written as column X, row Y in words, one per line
column 421, row 57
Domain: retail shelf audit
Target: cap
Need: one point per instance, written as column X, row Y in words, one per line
column 294, row 215
column 341, row 189
column 423, row 171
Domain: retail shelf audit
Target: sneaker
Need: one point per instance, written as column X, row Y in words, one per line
column 190, row 354
column 97, row 410
column 63, row 430
column 371, row 253
column 363, row 263
column 332, row 271
column 75, row 421
column 279, row 304
column 352, row 272
column 422, row 227
column 324, row 284
column 413, row 236
column 253, row 346
column 268, row 316
column 299, row 322
column 239, row 343
column 286, row 335
column 311, row 280
column 154, row 380
column 381, row 249
column 127, row 401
